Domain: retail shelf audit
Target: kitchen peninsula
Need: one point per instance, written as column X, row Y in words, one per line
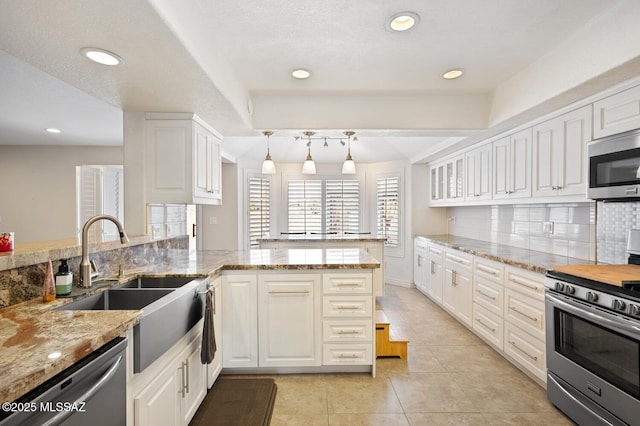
column 273, row 285
column 365, row 241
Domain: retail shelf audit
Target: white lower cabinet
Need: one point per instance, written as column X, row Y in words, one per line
column 526, row 350
column 214, row 369
column 488, row 325
column 289, row 311
column 457, row 288
column 420, row 252
column 240, row 320
column 177, row 388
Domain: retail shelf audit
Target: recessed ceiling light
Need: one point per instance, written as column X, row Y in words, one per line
column 452, row 74
column 301, row 74
column 101, row 56
column 53, row 130
column 403, row 21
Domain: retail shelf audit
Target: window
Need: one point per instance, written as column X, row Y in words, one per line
column 259, row 212
column 99, row 190
column 304, row 207
column 342, row 206
column 388, row 210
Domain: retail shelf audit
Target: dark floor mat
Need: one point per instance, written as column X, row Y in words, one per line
column 235, row 401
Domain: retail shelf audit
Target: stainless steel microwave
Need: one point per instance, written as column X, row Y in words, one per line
column 614, row 167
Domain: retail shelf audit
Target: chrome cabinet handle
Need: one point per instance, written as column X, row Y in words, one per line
column 535, row 358
column 187, row 374
column 433, row 267
column 419, row 260
column 493, row 330
column 289, row 292
column 349, row 284
column 488, row 296
column 524, row 284
column 486, row 269
column 349, row 308
column 523, row 314
column 184, row 380
column 348, row 332
column 453, row 277
column 347, row 356
column 214, row 300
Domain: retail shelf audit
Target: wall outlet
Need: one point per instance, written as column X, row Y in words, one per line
column 547, row 228
column 452, row 220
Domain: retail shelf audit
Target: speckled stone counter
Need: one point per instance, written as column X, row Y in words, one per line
column 310, row 238
column 531, row 260
column 31, row 331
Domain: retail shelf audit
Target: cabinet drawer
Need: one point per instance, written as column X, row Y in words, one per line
column 347, row 306
column 488, row 325
column 339, row 330
column 528, row 351
column 528, row 283
column 347, row 283
column 347, row 354
column 489, row 270
column 458, row 258
column 489, row 295
column 436, row 250
column 525, row 312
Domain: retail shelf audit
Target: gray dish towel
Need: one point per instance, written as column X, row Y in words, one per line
column 208, row 334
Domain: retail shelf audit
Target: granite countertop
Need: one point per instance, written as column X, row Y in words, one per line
column 31, row 331
column 531, row 260
column 364, row 237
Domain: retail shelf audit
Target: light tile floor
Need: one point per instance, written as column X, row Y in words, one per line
column 451, row 377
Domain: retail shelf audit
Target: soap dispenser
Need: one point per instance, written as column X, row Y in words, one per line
column 64, row 279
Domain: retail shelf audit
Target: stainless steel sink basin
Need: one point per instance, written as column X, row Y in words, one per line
column 157, row 282
column 117, row 300
column 170, row 306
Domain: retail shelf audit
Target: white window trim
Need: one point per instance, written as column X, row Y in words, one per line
column 245, row 216
column 399, row 250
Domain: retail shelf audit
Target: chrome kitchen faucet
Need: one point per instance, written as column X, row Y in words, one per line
column 85, row 265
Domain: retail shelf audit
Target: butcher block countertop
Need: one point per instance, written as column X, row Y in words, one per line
column 618, row 275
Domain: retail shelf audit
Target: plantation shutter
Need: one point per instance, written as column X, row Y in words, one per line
column 304, row 206
column 388, row 210
column 259, row 213
column 342, row 206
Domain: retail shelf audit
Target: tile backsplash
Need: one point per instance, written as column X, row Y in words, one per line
column 613, row 224
column 562, row 229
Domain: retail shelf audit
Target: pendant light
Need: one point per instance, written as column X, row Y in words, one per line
column 349, row 166
column 309, row 167
column 268, row 166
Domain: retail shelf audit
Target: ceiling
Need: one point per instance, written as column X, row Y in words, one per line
column 229, row 61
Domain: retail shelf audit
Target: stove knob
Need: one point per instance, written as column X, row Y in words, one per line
column 569, row 289
column 559, row 287
column 619, row 305
column 634, row 310
column 592, row 297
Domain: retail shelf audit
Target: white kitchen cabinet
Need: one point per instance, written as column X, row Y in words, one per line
column 478, row 173
column 617, row 113
column 454, row 179
column 560, row 154
column 173, row 396
column 215, row 367
column 289, row 313
column 457, row 287
column 433, row 272
column 420, row 251
column 528, row 351
column 182, row 160
column 512, row 166
column 240, row 320
column 436, row 176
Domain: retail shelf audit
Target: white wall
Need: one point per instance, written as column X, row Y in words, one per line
column 38, row 191
column 219, row 225
column 425, row 220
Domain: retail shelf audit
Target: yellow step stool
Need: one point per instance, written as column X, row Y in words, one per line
column 388, row 343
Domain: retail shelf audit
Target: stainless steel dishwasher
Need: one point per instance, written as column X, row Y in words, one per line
column 90, row 392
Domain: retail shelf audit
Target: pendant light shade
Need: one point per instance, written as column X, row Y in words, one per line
column 268, row 166
column 349, row 166
column 309, row 166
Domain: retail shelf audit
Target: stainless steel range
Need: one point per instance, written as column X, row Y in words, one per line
column 593, row 349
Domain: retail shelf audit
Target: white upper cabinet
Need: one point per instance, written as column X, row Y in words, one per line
column 183, row 160
column 617, row 113
column 478, row 174
column 436, row 175
column 559, row 154
column 454, row 179
column 512, row 166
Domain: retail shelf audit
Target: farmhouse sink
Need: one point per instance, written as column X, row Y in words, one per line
column 157, row 282
column 170, row 307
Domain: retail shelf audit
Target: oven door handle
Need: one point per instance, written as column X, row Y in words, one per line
column 602, row 317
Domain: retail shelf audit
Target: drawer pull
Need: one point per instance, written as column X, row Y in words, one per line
column 487, row 270
column 348, row 308
column 433, row 267
column 525, row 284
column 348, row 284
column 348, row 332
column 289, row 292
column 535, row 358
column 523, row 314
column 453, row 278
column 493, row 330
column 348, row 356
column 457, row 259
column 488, row 296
